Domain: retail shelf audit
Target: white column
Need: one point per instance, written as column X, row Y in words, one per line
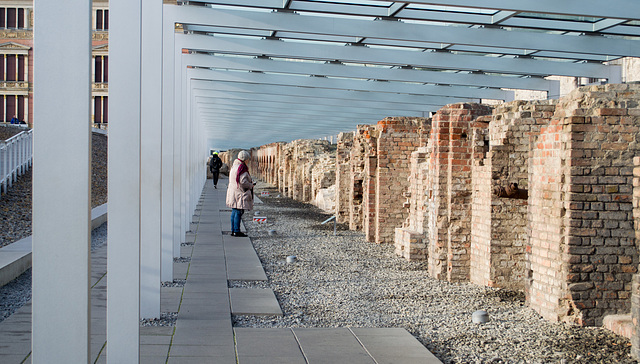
column 93, row 110
column 123, row 263
column 26, row 67
column 17, row 72
column 151, row 162
column 168, row 66
column 178, row 181
column 62, row 163
column 184, row 206
column 93, row 69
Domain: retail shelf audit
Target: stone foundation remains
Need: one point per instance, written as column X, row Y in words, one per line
column 533, row 196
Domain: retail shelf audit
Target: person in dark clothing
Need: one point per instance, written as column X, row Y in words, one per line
column 214, row 165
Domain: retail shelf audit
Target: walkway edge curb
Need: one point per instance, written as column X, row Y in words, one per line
column 15, row 258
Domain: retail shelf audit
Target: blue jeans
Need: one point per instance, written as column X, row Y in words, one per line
column 236, row 216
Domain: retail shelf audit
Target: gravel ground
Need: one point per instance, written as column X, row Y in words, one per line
column 343, row 280
column 15, row 205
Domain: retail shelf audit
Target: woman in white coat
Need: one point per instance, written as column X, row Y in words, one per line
column 239, row 192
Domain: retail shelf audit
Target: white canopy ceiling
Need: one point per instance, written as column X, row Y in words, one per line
column 277, row 70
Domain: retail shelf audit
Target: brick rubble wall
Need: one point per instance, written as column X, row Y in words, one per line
column 499, row 224
column 635, row 284
column 397, row 138
column 449, row 192
column 343, row 176
column 583, row 254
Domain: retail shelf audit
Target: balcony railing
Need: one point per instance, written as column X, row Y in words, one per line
column 15, row 157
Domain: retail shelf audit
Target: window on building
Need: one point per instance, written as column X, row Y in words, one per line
column 13, row 18
column 12, row 67
column 13, row 105
column 101, row 69
column 102, row 19
column 101, row 110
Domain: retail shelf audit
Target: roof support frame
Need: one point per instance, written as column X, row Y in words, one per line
column 357, row 28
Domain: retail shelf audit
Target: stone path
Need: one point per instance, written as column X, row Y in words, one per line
column 203, row 332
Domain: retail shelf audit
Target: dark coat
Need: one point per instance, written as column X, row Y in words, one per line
column 215, row 163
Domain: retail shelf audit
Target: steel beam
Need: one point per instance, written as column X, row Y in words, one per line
column 393, row 30
column 349, row 72
column 395, row 57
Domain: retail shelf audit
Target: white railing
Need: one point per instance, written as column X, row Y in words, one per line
column 15, row 157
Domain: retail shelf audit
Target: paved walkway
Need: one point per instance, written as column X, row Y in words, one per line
column 203, row 332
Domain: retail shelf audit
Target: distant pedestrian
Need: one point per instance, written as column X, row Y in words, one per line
column 239, row 191
column 14, row 120
column 214, row 166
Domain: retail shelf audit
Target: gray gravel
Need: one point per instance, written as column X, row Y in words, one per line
column 15, row 205
column 345, row 281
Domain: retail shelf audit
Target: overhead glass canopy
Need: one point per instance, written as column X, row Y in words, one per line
column 403, row 58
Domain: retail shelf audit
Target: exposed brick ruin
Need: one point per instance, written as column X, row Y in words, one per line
column 583, row 253
column 499, row 224
column 532, row 196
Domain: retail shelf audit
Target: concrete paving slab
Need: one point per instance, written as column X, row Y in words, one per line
column 154, row 339
column 243, row 263
column 394, row 345
column 10, row 358
column 267, row 344
column 223, row 350
column 192, row 325
column 201, row 359
column 254, row 301
column 157, row 330
column 152, row 359
column 154, row 350
column 331, row 346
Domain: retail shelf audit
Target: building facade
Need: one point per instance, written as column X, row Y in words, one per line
column 16, row 70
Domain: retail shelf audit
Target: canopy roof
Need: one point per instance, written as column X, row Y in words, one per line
column 277, row 70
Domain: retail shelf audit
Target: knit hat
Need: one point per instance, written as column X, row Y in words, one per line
column 244, row 155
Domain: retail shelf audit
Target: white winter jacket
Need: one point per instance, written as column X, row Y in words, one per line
column 239, row 195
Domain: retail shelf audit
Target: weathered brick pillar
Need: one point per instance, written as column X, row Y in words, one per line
column 635, row 284
column 583, row 254
column 360, row 151
column 397, row 138
column 369, row 197
column 343, row 176
column 410, row 239
column 449, row 190
column 481, row 236
column 499, row 223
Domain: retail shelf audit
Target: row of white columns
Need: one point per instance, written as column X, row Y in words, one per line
column 156, row 172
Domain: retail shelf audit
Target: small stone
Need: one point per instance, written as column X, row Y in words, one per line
column 480, row 317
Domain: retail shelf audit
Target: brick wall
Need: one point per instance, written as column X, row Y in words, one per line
column 635, row 284
column 343, row 175
column 499, row 224
column 583, row 254
column 449, row 191
column 410, row 239
column 397, row 138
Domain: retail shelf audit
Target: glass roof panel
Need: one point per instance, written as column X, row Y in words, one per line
column 353, row 2
column 455, row 9
column 559, row 17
